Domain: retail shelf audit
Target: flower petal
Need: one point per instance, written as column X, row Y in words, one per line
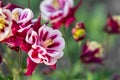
column 26, row 15
column 52, row 61
column 30, row 67
column 31, row 37
column 58, row 44
column 35, row 60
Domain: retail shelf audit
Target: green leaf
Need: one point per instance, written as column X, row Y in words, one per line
column 77, row 68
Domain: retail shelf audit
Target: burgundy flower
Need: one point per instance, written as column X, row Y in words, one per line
column 59, row 12
column 78, row 31
column 21, row 23
column 46, row 46
column 14, row 24
column 92, row 52
column 113, row 25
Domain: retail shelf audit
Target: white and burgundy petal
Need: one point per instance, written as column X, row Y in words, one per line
column 54, row 34
column 37, row 55
column 53, row 54
column 51, row 61
column 59, row 55
column 34, row 56
column 22, row 15
column 58, row 44
column 16, row 13
column 26, row 15
column 31, row 37
column 44, row 32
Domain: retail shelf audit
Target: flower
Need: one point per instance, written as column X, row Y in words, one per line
column 21, row 23
column 5, row 24
column 92, row 52
column 113, row 24
column 46, row 46
column 58, row 12
column 78, row 31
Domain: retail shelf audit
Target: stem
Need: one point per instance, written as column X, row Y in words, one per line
column 78, row 5
column 7, row 66
column 107, row 44
column 29, row 78
column 63, row 70
column 62, row 67
column 28, row 3
column 19, row 69
column 20, row 58
column 67, row 46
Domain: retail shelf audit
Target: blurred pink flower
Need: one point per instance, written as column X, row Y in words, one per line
column 78, row 31
column 113, row 24
column 47, row 46
column 59, row 12
column 92, row 52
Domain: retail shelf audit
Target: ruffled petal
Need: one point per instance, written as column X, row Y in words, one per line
column 25, row 16
column 31, row 37
column 51, row 61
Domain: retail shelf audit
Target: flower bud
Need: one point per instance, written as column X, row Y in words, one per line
column 78, row 31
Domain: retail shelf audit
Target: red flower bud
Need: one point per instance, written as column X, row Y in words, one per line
column 78, row 31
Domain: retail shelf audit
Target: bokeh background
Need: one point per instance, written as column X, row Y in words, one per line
column 93, row 13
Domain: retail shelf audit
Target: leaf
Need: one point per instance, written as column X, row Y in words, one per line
column 77, row 68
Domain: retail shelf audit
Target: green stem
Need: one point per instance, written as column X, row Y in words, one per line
column 20, row 60
column 7, row 66
column 107, row 44
column 28, row 3
column 19, row 66
column 63, row 70
column 62, row 67
column 30, row 78
column 67, row 44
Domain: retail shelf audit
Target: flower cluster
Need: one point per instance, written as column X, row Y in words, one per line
column 43, row 44
column 19, row 30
